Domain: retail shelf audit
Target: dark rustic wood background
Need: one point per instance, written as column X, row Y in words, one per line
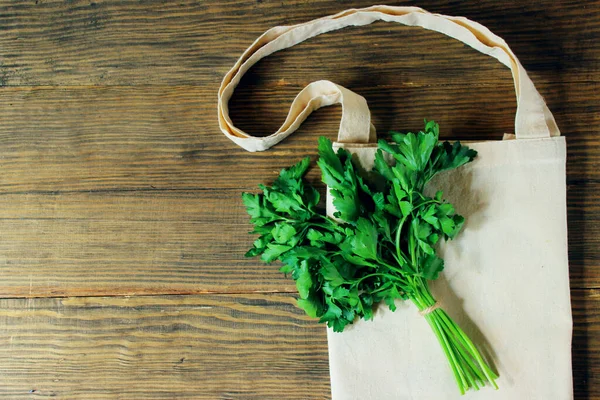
column 122, row 233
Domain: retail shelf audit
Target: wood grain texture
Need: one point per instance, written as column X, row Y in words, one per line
column 191, row 42
column 201, row 347
column 135, row 243
column 115, row 180
column 116, row 138
column 161, row 347
column 175, row 241
column 586, row 341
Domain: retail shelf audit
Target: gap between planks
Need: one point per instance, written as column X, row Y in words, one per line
column 570, row 182
column 161, row 293
column 593, row 290
column 263, row 85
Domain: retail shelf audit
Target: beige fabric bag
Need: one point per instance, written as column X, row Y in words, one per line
column 506, row 281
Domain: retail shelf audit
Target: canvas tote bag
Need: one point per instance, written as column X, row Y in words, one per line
column 506, row 280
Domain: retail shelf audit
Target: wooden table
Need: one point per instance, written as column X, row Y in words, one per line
column 122, row 233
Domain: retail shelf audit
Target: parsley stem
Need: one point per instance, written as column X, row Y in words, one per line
column 330, row 227
column 413, row 250
column 464, row 362
column 399, row 271
column 444, row 344
column 382, row 288
column 490, row 375
column 329, row 220
column 452, row 354
column 396, row 278
column 398, row 230
column 428, row 202
column 454, row 329
column 462, row 354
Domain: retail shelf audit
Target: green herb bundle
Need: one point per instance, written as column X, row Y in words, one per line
column 381, row 244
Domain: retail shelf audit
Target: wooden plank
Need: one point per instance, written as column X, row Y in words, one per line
column 586, row 343
column 189, row 42
column 173, row 347
column 129, row 243
column 176, row 242
column 583, row 220
column 141, row 138
column 203, row 347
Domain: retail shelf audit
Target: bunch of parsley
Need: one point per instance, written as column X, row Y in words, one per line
column 380, row 245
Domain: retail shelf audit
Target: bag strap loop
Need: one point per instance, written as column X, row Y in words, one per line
column 533, row 118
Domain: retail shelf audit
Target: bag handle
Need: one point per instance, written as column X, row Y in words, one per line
column 533, row 118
